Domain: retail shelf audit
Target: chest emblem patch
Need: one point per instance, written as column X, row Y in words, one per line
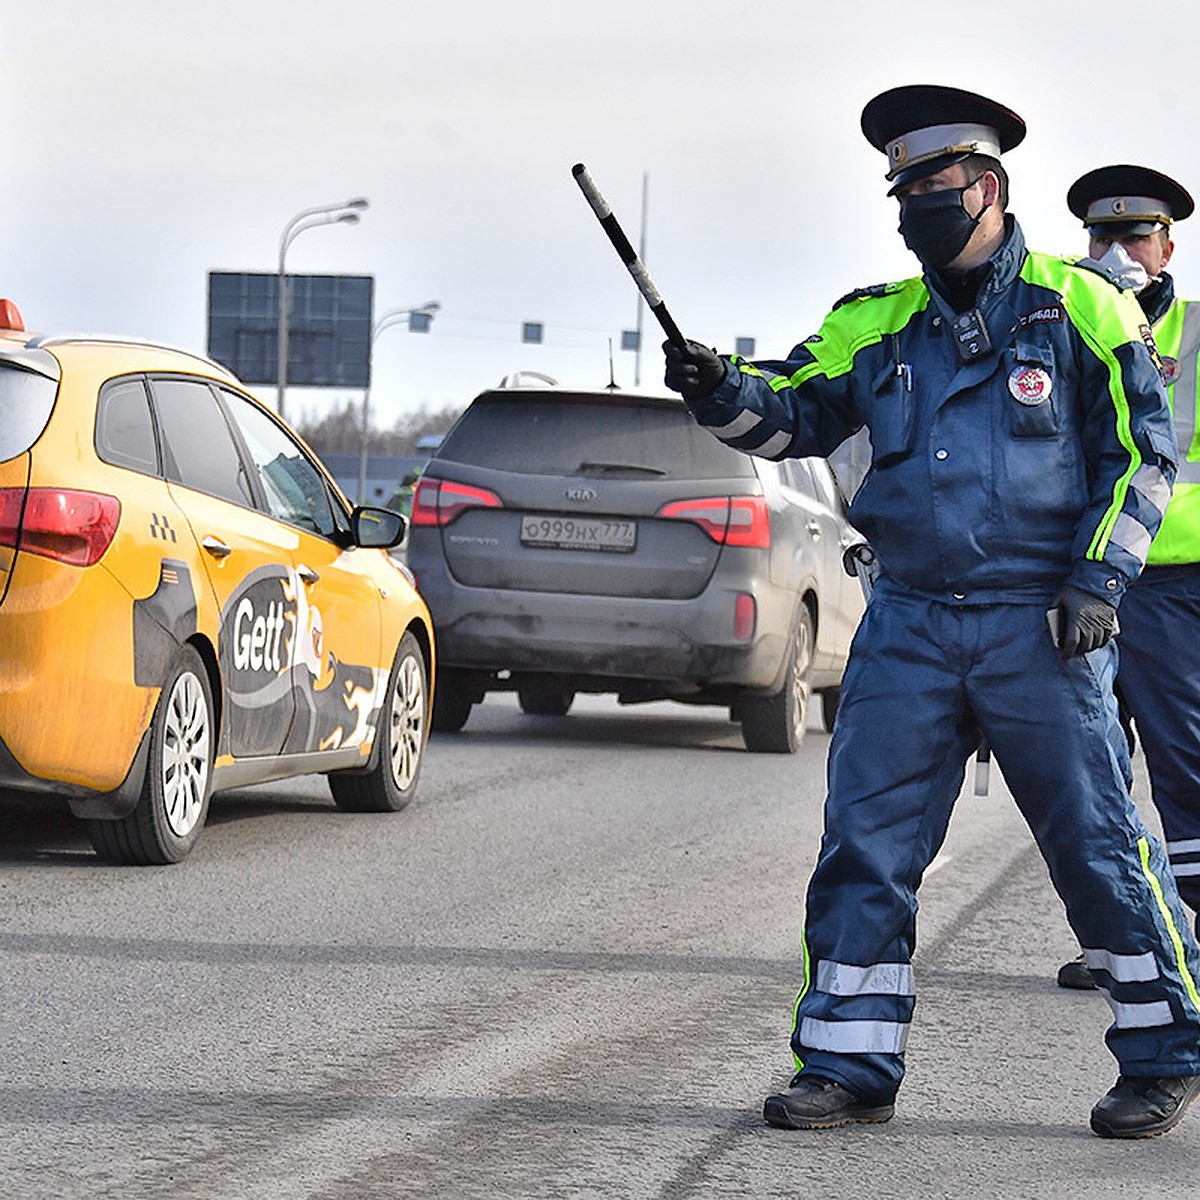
column 1170, row 370
column 1030, row 385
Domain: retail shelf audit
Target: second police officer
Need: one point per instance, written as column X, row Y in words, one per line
column 1022, row 455
column 1128, row 212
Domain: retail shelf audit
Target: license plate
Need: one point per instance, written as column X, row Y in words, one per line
column 578, row 533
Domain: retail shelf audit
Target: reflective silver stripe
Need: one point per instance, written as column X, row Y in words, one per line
column 1190, row 846
column 1139, row 1016
column 775, row 445
column 1183, row 394
column 1124, row 968
column 883, row 979
column 1150, row 482
column 1179, row 869
column 1130, row 534
column 854, row 1037
column 742, row 423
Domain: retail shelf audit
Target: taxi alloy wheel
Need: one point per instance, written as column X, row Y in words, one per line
column 402, row 733
column 173, row 804
column 407, row 720
column 776, row 724
column 185, row 755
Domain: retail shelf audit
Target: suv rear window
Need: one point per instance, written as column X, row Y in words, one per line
column 614, row 437
column 26, row 400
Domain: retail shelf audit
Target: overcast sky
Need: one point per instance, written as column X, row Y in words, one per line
column 149, row 142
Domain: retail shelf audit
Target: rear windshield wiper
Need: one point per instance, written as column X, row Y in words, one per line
column 609, row 468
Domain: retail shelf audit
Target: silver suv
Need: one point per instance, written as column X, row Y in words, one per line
column 572, row 541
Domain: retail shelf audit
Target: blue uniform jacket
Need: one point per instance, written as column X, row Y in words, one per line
column 1048, row 458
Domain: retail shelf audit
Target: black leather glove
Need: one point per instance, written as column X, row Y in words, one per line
column 1086, row 622
column 694, row 370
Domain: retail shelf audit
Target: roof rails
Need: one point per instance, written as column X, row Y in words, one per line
column 519, row 379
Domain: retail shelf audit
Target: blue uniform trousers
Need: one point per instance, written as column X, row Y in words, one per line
column 925, row 678
column 1159, row 681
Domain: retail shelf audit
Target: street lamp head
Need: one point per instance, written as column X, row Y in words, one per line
column 358, row 203
column 348, row 218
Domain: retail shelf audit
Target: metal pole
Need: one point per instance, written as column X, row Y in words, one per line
column 282, row 341
column 637, row 354
column 362, row 446
column 389, row 318
column 308, row 218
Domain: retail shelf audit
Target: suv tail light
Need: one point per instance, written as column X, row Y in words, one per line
column 67, row 526
column 439, row 501
column 730, row 520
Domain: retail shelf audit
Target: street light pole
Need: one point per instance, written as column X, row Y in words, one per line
column 392, row 317
column 346, row 213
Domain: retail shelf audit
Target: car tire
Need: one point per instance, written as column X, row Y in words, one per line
column 391, row 783
column 173, row 804
column 830, row 699
column 545, row 700
column 451, row 705
column 775, row 724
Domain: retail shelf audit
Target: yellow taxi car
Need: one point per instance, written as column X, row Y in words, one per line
column 187, row 601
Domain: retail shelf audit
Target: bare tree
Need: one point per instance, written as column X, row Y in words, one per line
column 339, row 431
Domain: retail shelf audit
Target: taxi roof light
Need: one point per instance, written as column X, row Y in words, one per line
column 10, row 316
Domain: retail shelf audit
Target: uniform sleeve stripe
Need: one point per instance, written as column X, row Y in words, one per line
column 1132, row 536
column 1151, row 484
column 743, row 423
column 775, row 445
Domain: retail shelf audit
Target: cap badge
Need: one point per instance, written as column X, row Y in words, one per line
column 899, row 151
column 1119, row 205
column 1030, row 385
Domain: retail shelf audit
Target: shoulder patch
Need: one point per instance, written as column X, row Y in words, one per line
column 876, row 289
column 1047, row 314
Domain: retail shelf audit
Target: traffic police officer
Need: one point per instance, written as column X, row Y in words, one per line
column 1022, row 455
column 1129, row 212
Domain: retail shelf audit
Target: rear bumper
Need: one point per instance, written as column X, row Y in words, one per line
column 84, row 801
column 690, row 644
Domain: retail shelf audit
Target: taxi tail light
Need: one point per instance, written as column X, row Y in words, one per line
column 439, row 501
column 729, row 520
column 68, row 526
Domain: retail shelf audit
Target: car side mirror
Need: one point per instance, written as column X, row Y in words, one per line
column 376, row 527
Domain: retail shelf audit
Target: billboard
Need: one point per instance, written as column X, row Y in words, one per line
column 329, row 330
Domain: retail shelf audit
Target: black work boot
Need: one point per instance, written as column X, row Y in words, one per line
column 1075, row 974
column 1141, row 1108
column 813, row 1102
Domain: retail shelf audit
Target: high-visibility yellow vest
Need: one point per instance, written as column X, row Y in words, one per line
column 1177, row 334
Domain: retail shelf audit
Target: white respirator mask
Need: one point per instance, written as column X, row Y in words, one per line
column 1118, row 267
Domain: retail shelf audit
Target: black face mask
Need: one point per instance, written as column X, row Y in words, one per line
column 935, row 225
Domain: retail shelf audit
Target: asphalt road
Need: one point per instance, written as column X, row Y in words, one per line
column 566, row 970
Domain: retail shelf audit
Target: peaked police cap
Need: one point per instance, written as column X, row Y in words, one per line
column 925, row 127
column 1136, row 199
